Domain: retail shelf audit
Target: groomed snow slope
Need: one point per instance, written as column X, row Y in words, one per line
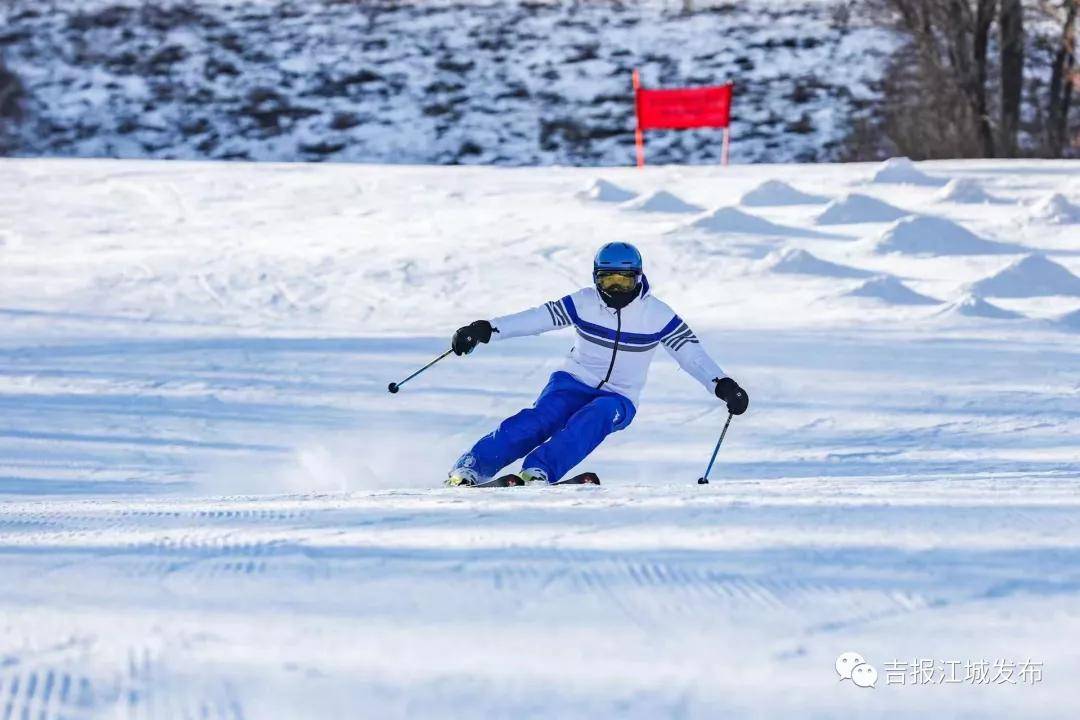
column 212, row 508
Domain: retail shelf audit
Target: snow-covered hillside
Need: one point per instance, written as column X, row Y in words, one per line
column 507, row 82
column 211, row 507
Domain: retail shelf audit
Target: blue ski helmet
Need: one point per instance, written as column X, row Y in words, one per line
column 617, row 272
column 617, row 256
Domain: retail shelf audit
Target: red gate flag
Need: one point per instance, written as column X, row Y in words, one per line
column 679, row 109
column 682, row 108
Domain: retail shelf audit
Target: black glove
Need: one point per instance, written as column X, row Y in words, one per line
column 736, row 398
column 466, row 338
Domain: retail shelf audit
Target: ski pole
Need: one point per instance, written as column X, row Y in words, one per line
column 705, row 479
column 395, row 386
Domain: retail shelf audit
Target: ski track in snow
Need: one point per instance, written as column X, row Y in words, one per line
column 212, row 508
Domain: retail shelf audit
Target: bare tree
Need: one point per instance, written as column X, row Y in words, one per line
column 1063, row 78
column 11, row 96
column 984, row 19
column 1012, row 72
column 951, row 41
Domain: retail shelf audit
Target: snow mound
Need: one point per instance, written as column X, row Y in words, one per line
column 1056, row 209
column 776, row 193
column 733, row 220
column 902, row 171
column 800, row 262
column 892, row 291
column 929, row 235
column 972, row 305
column 663, row 202
column 856, row 208
column 1070, row 321
column 603, row 191
column 1030, row 276
column 965, row 190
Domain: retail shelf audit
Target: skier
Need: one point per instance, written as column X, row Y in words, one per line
column 618, row 323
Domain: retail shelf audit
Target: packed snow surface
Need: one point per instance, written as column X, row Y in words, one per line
column 213, row 508
column 772, row 193
column 931, row 235
column 858, row 208
column 1029, row 276
column 891, row 290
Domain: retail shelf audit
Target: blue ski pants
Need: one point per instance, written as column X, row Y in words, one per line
column 566, row 423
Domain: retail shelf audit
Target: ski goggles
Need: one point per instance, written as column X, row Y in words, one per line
column 616, row 280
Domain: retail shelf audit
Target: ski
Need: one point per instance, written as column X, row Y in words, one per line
column 587, row 478
column 504, row 481
column 514, row 481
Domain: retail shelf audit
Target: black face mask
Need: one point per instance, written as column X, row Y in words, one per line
column 618, row 299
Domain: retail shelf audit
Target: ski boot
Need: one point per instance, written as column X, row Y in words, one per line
column 462, row 476
column 531, row 475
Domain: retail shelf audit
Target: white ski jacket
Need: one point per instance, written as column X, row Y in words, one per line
column 613, row 348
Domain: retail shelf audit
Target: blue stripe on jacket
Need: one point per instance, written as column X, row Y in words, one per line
column 607, row 333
